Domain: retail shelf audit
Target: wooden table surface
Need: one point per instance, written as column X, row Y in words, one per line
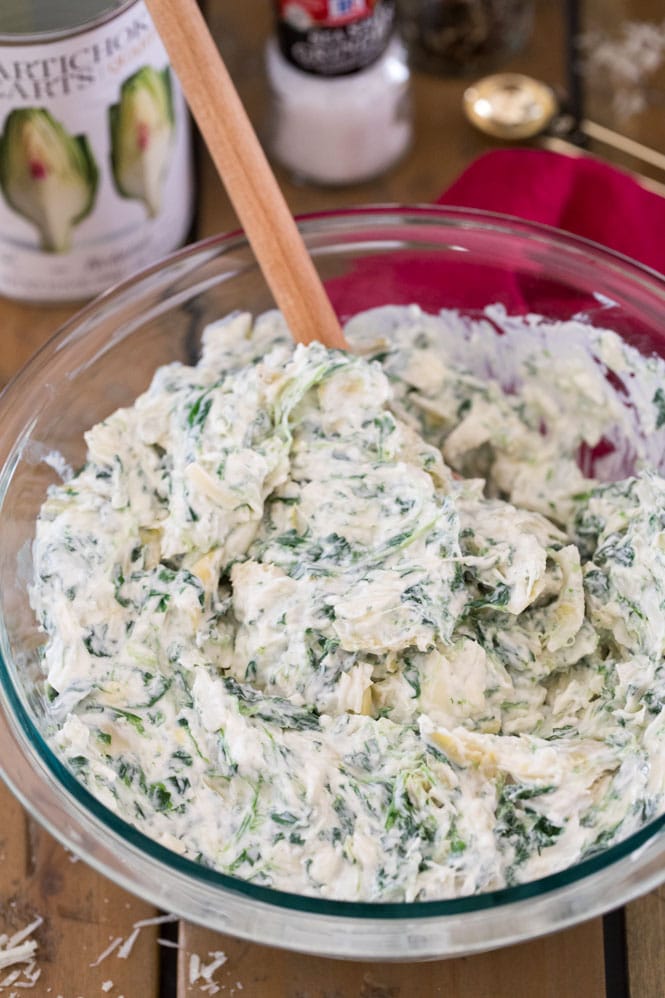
column 82, row 911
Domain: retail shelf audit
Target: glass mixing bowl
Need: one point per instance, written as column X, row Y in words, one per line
column 104, row 358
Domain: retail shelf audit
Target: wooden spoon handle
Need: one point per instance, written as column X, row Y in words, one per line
column 244, row 169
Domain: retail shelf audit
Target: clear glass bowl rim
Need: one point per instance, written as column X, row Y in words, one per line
column 17, row 723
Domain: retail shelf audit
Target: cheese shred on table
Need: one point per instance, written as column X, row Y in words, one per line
column 381, row 626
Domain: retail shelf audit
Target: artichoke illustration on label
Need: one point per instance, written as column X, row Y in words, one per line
column 47, row 175
column 142, row 131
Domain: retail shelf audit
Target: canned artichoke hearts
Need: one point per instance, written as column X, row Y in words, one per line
column 95, row 163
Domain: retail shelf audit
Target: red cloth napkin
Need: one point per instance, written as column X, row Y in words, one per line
column 576, row 193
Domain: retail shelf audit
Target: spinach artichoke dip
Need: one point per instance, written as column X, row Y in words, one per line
column 382, row 626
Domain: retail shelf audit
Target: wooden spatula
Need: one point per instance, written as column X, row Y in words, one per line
column 246, row 174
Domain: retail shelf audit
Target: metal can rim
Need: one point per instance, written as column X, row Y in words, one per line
column 62, row 34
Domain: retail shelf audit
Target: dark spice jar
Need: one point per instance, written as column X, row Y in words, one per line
column 460, row 37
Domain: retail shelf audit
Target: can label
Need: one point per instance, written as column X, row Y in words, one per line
column 333, row 37
column 95, row 159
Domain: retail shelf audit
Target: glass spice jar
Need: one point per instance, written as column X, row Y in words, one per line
column 463, row 37
column 338, row 78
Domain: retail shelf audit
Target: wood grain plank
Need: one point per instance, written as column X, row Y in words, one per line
column 25, row 328
column 645, row 942
column 561, row 966
column 82, row 911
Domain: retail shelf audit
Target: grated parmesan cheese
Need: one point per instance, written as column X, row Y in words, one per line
column 205, row 972
column 107, row 952
column 125, row 946
column 18, row 952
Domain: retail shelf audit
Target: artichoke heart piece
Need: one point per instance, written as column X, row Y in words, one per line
column 47, row 175
column 142, row 126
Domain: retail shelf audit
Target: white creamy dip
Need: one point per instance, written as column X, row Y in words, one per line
column 358, row 626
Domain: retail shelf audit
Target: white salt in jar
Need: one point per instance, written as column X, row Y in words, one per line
column 339, row 82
